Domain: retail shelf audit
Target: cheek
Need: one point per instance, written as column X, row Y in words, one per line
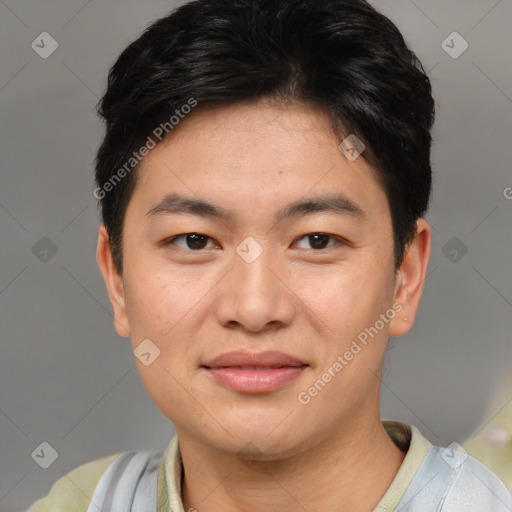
column 336, row 299
column 347, row 299
column 154, row 304
column 168, row 305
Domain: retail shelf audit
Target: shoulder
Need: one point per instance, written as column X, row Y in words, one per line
column 73, row 491
column 448, row 479
column 474, row 487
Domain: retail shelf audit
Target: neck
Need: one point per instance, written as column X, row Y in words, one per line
column 353, row 465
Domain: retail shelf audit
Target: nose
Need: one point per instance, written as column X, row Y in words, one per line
column 255, row 295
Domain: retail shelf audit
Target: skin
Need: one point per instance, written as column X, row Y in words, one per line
column 309, row 302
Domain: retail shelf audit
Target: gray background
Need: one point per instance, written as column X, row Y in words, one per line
column 67, row 378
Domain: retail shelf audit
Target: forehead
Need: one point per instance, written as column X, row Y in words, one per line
column 255, row 156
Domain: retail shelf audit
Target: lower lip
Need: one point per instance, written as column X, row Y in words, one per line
column 255, row 381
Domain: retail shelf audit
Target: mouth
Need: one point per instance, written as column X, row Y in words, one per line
column 254, row 373
column 256, row 367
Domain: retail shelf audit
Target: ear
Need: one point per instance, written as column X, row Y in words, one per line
column 410, row 279
column 114, row 282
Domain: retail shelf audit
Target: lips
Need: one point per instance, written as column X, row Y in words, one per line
column 253, row 367
column 258, row 360
column 253, row 373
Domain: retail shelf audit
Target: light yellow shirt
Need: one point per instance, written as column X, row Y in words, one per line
column 73, row 492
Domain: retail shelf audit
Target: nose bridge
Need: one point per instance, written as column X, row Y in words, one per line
column 254, row 266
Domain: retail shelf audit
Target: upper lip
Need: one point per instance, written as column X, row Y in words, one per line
column 241, row 358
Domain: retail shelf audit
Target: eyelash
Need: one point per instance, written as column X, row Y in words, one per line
column 338, row 240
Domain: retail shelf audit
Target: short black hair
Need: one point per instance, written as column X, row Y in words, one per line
column 340, row 55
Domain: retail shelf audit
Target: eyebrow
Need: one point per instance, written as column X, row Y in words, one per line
column 176, row 204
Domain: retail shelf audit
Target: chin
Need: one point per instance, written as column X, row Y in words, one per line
column 263, row 441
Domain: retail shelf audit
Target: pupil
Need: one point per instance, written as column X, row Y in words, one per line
column 197, row 243
column 314, row 243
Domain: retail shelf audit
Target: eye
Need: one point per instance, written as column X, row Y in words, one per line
column 318, row 240
column 198, row 241
column 193, row 241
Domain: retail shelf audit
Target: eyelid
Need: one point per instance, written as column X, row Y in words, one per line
column 170, row 240
column 338, row 240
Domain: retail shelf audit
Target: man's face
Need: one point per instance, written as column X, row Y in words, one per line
column 252, row 282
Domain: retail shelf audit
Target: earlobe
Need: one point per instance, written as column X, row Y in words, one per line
column 410, row 279
column 114, row 282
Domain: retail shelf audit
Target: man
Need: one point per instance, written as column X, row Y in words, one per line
column 263, row 181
